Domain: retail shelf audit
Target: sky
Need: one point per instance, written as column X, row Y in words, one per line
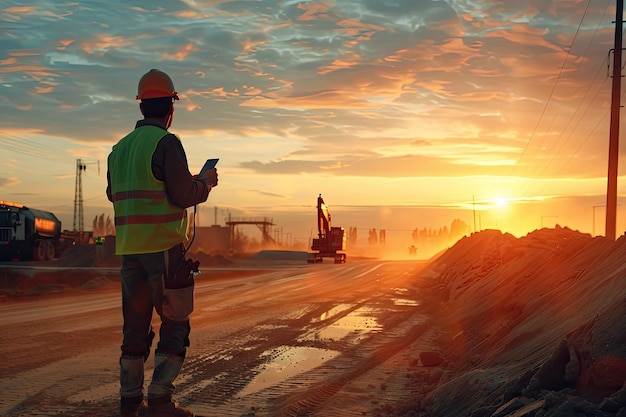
column 402, row 113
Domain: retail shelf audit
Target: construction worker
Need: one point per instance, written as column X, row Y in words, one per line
column 149, row 183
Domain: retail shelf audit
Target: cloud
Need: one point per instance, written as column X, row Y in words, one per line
column 357, row 88
column 267, row 194
column 9, row 181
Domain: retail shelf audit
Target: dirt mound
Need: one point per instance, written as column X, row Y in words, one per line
column 528, row 324
column 20, row 283
column 79, row 256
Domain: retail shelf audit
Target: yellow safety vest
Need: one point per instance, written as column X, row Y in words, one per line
column 145, row 220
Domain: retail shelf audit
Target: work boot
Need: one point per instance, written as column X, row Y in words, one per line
column 166, row 407
column 133, row 407
column 167, row 366
column 131, row 386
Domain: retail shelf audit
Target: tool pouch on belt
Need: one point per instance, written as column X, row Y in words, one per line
column 178, row 285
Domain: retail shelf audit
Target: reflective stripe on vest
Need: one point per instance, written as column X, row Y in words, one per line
column 145, row 220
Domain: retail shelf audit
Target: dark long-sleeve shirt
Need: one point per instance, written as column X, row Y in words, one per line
column 169, row 164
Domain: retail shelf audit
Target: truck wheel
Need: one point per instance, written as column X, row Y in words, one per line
column 39, row 250
column 50, row 249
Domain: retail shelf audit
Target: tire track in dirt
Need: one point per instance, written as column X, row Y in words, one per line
column 313, row 399
column 219, row 376
column 234, row 368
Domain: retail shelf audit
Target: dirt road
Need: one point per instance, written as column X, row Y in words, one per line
column 268, row 340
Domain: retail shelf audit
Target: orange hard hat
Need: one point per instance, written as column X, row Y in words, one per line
column 156, row 84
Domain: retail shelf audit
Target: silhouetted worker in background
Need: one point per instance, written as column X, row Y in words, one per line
column 149, row 183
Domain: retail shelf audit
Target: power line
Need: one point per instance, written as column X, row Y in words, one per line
column 580, row 119
column 548, row 101
column 595, row 127
column 576, row 118
column 31, row 148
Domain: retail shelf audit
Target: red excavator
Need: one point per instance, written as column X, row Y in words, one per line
column 330, row 240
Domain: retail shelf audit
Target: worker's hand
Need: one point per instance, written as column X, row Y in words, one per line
column 211, row 177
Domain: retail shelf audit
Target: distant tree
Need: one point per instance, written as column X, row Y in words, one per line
column 110, row 227
column 458, row 229
column 373, row 237
column 438, row 237
column 103, row 226
column 241, row 243
column 352, row 235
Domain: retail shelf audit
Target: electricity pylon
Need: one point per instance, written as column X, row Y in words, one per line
column 79, row 219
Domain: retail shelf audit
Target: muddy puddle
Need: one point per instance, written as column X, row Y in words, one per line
column 360, row 321
column 286, row 362
column 403, row 298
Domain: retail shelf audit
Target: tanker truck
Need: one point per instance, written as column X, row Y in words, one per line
column 28, row 233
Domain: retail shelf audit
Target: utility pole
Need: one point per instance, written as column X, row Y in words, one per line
column 474, row 210
column 611, row 192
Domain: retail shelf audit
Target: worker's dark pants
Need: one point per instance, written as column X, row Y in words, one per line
column 142, row 293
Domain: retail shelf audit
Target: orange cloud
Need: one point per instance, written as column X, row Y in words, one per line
column 524, row 34
column 19, row 133
column 10, row 181
column 8, row 61
column 435, row 86
column 215, row 94
column 64, row 44
column 104, row 42
column 23, row 53
column 354, row 27
column 251, row 44
column 359, row 31
column 450, row 56
column 348, row 60
column 20, row 9
column 540, row 65
column 187, row 14
column 313, row 11
column 37, row 72
column 251, row 91
column 45, row 87
column 322, row 100
column 182, row 53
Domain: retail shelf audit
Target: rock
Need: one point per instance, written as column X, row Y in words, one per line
column 607, row 373
column 430, row 359
column 511, row 406
column 435, row 376
column 609, row 405
column 605, row 377
column 551, row 375
column 484, row 411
